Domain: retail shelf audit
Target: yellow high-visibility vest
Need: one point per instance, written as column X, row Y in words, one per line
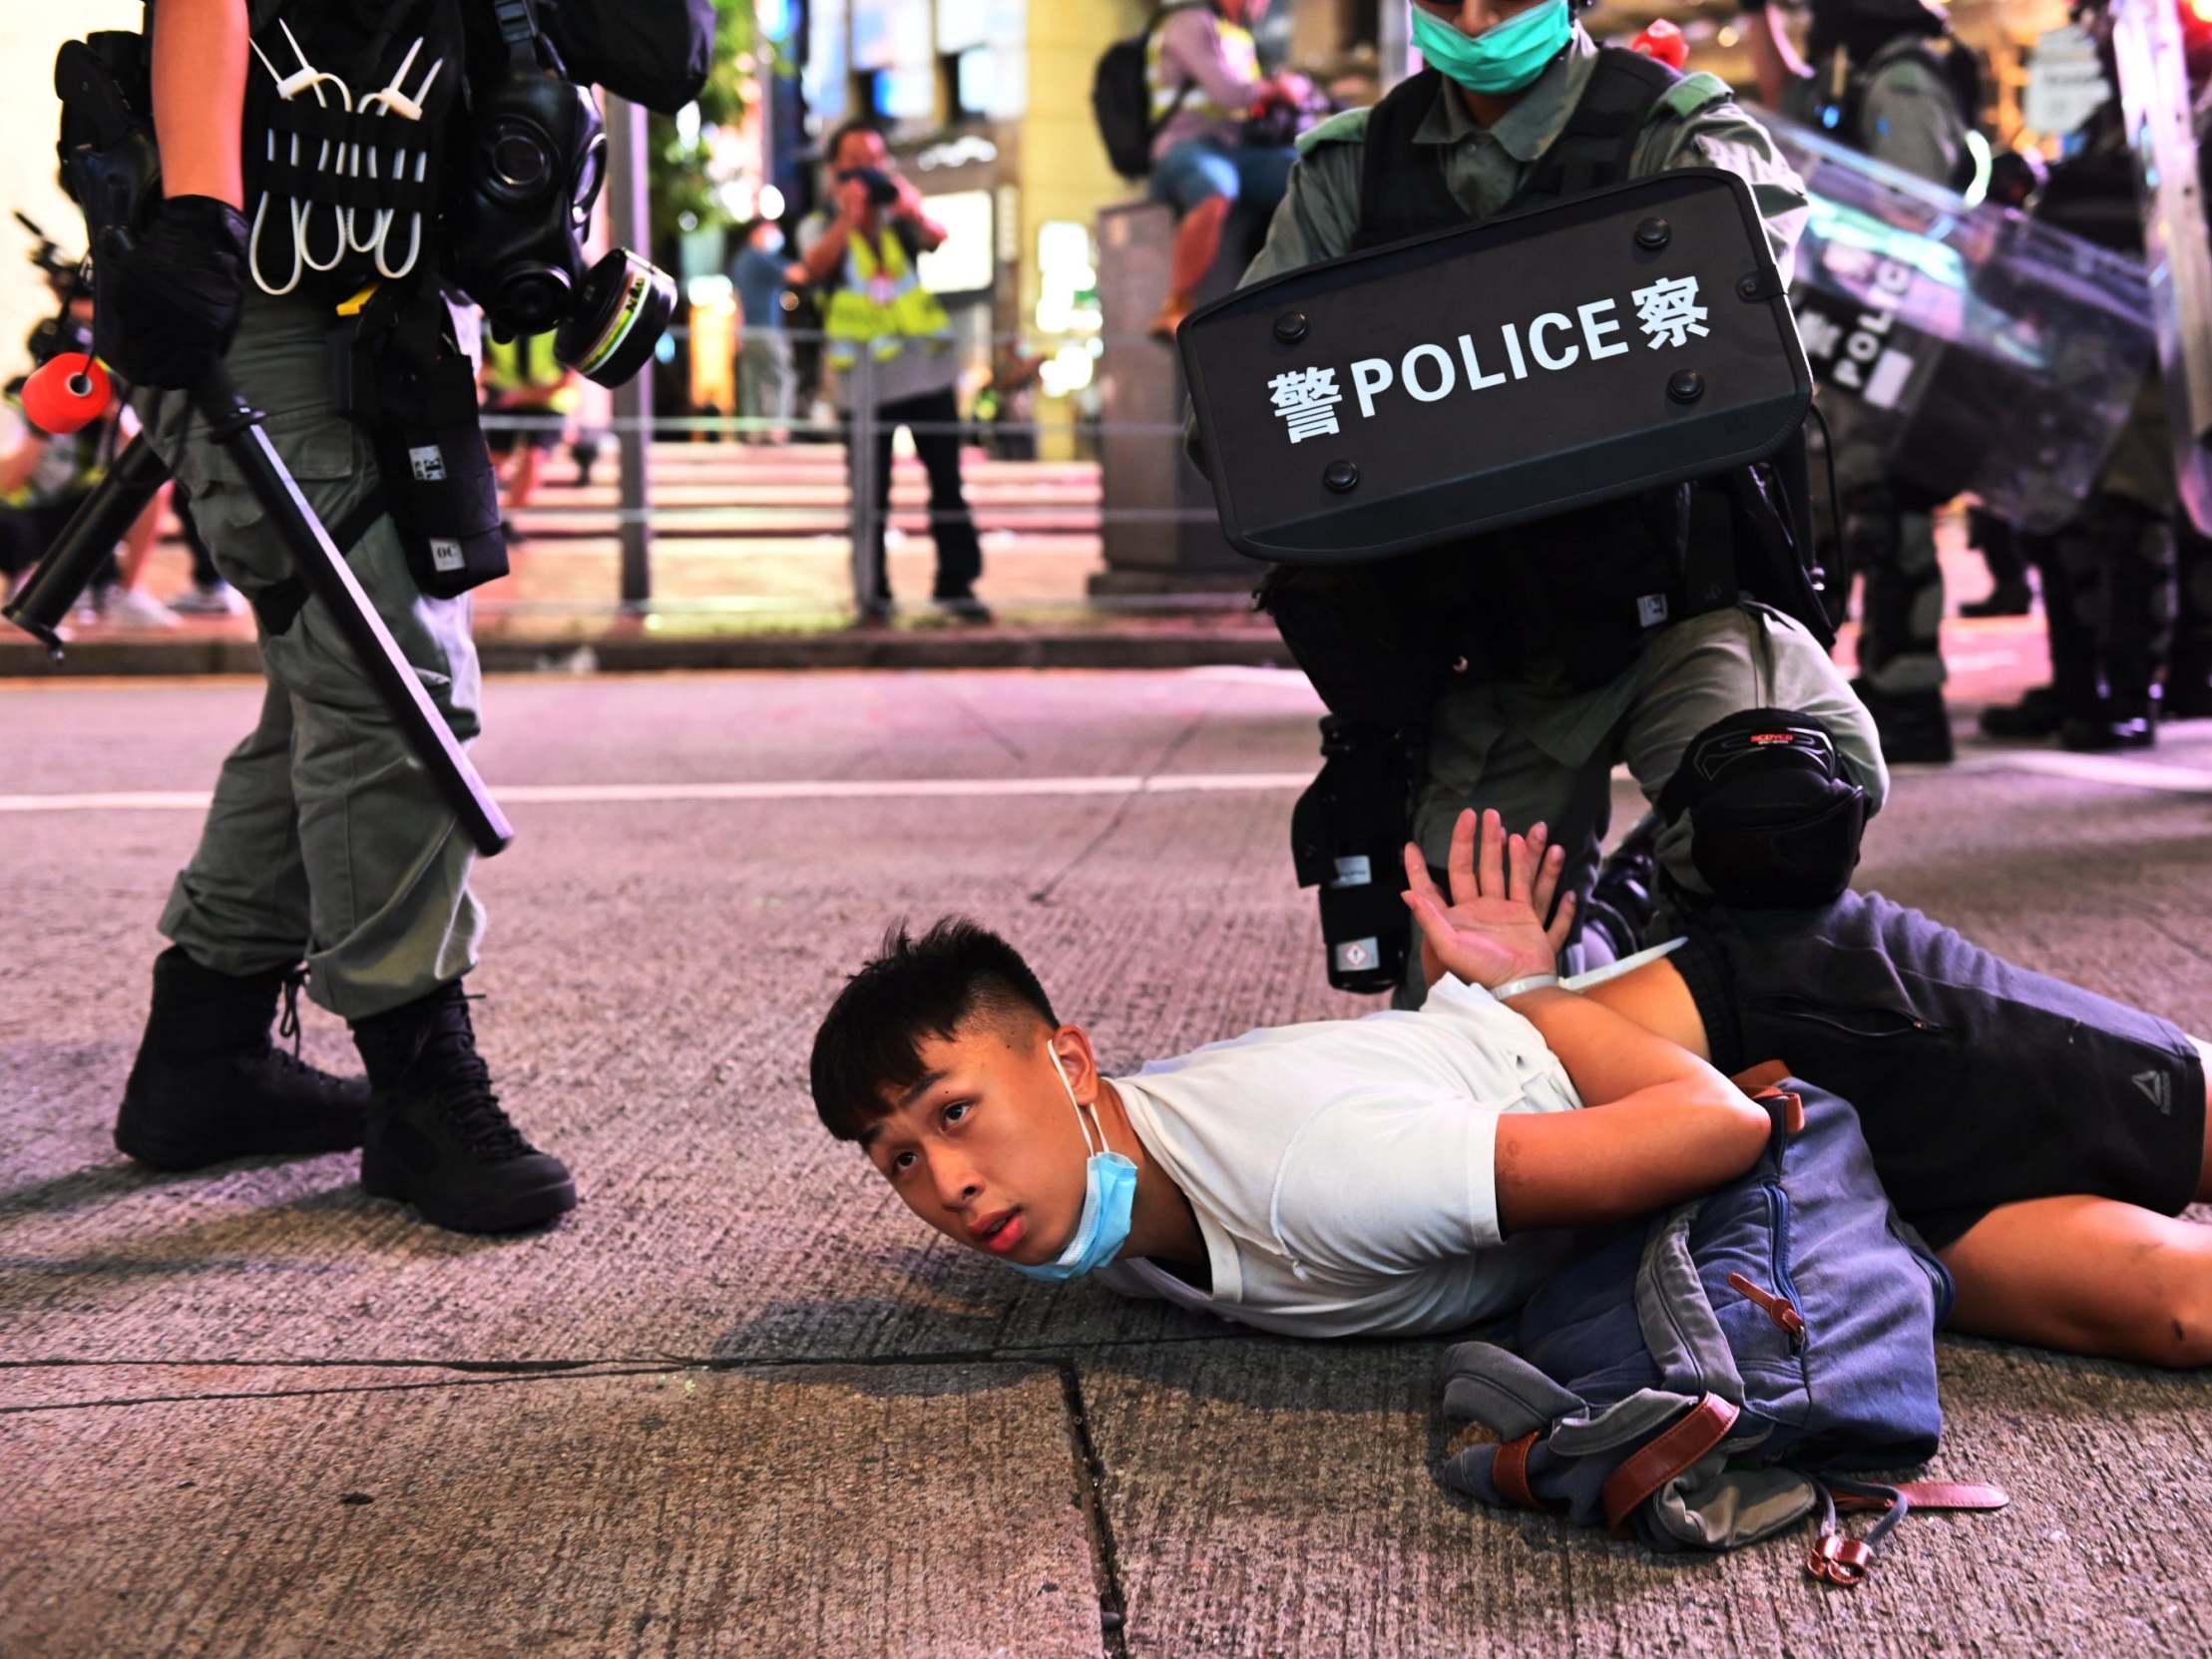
column 882, row 305
column 528, row 364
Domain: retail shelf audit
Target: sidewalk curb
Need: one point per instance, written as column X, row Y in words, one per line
column 981, row 649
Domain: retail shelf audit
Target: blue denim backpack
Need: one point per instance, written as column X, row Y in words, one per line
column 1704, row 1379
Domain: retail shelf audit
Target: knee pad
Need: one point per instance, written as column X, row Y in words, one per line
column 1774, row 821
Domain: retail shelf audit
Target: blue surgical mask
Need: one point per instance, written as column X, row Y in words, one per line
column 1504, row 58
column 1108, row 1200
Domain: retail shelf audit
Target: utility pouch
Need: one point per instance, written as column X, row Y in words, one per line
column 440, row 491
column 406, row 381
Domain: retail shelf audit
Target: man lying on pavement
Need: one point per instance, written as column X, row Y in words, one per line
column 1407, row 1172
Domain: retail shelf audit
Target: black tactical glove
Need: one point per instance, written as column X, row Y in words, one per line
column 168, row 306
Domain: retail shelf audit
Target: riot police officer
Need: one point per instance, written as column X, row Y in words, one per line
column 2110, row 572
column 1561, row 670
column 1886, row 77
column 327, row 851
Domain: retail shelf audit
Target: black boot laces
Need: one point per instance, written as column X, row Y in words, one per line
column 288, row 1023
column 289, row 1027
column 460, row 1083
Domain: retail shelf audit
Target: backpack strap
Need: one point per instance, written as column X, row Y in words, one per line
column 1931, row 1495
column 1702, row 1427
column 1402, row 188
column 1593, row 149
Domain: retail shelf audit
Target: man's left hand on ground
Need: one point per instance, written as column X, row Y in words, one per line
column 1503, row 885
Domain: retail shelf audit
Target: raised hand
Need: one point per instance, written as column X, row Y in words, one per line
column 1491, row 930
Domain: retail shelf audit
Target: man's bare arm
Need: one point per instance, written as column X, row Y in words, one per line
column 199, row 57
column 1660, row 1126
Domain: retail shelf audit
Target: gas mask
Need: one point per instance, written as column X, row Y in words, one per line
column 530, row 159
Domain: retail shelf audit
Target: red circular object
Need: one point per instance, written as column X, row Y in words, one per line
column 66, row 393
column 1664, row 41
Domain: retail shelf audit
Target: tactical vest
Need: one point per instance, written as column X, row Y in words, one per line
column 1944, row 56
column 1564, row 601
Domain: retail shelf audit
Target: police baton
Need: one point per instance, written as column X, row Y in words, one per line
column 237, row 426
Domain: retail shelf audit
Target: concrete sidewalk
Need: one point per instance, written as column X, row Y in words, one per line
column 739, row 1403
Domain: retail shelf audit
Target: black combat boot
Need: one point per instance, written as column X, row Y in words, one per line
column 437, row 1138
column 2120, row 721
column 1913, row 726
column 209, row 1085
column 2036, row 714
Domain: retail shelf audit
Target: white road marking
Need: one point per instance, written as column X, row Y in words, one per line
column 794, row 789
column 2114, row 771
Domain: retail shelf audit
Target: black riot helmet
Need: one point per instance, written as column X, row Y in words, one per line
column 1860, row 28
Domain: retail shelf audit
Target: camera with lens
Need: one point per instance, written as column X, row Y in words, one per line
column 882, row 192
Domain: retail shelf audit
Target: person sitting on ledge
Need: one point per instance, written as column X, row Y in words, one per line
column 1405, row 1172
column 1204, row 69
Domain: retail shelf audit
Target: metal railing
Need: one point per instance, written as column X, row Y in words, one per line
column 854, row 501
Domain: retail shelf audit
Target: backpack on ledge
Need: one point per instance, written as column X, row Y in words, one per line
column 1705, row 1379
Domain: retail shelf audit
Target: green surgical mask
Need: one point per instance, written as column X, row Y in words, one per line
column 1504, row 58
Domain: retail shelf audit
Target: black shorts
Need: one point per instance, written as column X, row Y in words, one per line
column 1979, row 1084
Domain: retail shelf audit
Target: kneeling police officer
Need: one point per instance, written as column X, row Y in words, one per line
column 328, row 850
column 1619, row 632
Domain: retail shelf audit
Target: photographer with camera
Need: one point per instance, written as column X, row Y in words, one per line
column 889, row 350
column 1208, row 156
column 276, row 262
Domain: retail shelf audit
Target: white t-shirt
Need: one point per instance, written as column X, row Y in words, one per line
column 1343, row 1172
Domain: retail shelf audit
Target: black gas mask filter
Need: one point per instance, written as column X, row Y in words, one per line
column 532, row 155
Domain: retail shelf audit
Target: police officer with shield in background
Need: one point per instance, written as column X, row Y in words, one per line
column 1618, row 633
column 1886, row 77
column 2110, row 574
column 329, row 855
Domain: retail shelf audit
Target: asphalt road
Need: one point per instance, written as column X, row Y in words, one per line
column 738, row 1403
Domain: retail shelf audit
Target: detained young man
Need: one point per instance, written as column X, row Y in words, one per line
column 1406, row 1174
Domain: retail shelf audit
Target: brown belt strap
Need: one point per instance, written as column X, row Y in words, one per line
column 1933, row 1495
column 1761, row 1083
column 1763, row 1075
column 1509, row 1469
column 1701, row 1429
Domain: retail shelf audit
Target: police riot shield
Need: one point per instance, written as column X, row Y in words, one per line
column 1979, row 350
column 2177, row 244
column 1481, row 377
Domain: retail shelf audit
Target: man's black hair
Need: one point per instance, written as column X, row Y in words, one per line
column 843, row 131
column 917, row 988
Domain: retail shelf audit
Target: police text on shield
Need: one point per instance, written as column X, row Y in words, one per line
column 1667, row 313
